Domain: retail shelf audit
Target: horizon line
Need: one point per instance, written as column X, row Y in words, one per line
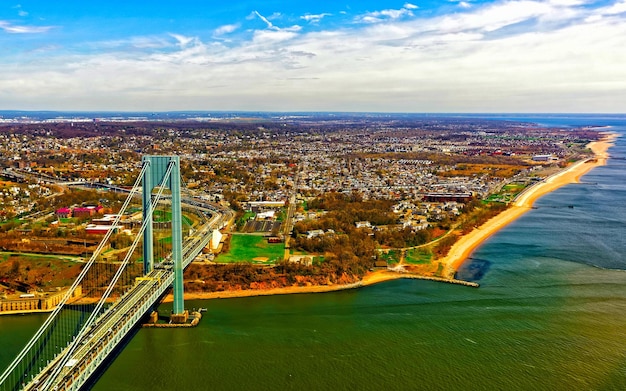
column 311, row 112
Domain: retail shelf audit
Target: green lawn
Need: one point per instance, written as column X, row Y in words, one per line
column 166, row 240
column 248, row 215
column 160, row 216
column 507, row 194
column 244, row 248
column 504, row 198
column 513, row 187
column 418, row 255
column 392, row 256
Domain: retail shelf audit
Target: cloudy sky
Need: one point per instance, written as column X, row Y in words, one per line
column 419, row 56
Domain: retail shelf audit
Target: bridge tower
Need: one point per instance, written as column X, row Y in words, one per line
column 157, row 169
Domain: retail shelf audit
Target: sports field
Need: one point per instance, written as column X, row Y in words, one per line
column 252, row 248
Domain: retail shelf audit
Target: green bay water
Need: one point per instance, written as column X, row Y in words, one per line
column 550, row 315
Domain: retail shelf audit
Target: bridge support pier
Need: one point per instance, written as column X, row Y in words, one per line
column 180, row 318
column 154, row 317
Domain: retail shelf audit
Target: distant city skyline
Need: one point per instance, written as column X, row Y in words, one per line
column 378, row 56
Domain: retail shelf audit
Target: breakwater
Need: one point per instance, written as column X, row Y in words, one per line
column 441, row 279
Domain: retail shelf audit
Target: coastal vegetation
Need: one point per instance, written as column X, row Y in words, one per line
column 244, row 275
column 348, row 252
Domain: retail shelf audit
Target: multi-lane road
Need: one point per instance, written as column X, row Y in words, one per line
column 93, row 344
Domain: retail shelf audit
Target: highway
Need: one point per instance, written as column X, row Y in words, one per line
column 291, row 210
column 95, row 343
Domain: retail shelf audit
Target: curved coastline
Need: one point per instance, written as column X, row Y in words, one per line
column 461, row 249
column 459, row 252
column 464, row 247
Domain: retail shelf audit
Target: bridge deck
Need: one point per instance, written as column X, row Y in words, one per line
column 97, row 342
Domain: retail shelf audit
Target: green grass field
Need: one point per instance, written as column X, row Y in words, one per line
column 166, row 240
column 507, row 193
column 390, row 257
column 244, row 248
column 513, row 187
column 504, row 198
column 418, row 255
column 164, row 216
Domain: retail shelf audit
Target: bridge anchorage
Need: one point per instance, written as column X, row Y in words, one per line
column 109, row 297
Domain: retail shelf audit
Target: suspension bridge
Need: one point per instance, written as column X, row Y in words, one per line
column 108, row 299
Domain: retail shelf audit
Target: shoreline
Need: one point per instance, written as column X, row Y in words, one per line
column 370, row 279
column 461, row 250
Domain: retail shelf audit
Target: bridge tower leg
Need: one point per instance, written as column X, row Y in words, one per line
column 153, row 176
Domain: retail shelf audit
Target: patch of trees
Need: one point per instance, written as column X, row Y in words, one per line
column 84, row 197
column 224, row 277
column 354, row 253
column 9, row 226
column 347, row 209
column 42, row 246
column 476, row 214
column 24, row 273
column 479, row 215
column 444, row 245
column 406, row 237
column 349, row 249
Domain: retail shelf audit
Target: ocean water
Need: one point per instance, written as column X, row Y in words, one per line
column 550, row 314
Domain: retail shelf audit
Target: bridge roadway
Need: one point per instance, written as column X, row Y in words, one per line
column 19, row 175
column 109, row 329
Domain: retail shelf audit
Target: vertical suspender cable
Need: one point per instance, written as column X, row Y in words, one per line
column 51, row 318
column 64, row 358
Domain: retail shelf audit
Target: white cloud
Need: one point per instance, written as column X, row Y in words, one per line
column 20, row 11
column 567, row 3
column 295, row 27
column 383, row 15
column 464, row 4
column 314, row 18
column 264, row 36
column 142, row 42
column 443, row 63
column 226, row 29
column 496, row 16
column 14, row 29
column 593, row 18
column 182, row 40
column 387, row 14
column 269, row 24
column 616, row 8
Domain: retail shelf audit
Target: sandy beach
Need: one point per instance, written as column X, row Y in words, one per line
column 370, row 279
column 461, row 249
column 289, row 290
